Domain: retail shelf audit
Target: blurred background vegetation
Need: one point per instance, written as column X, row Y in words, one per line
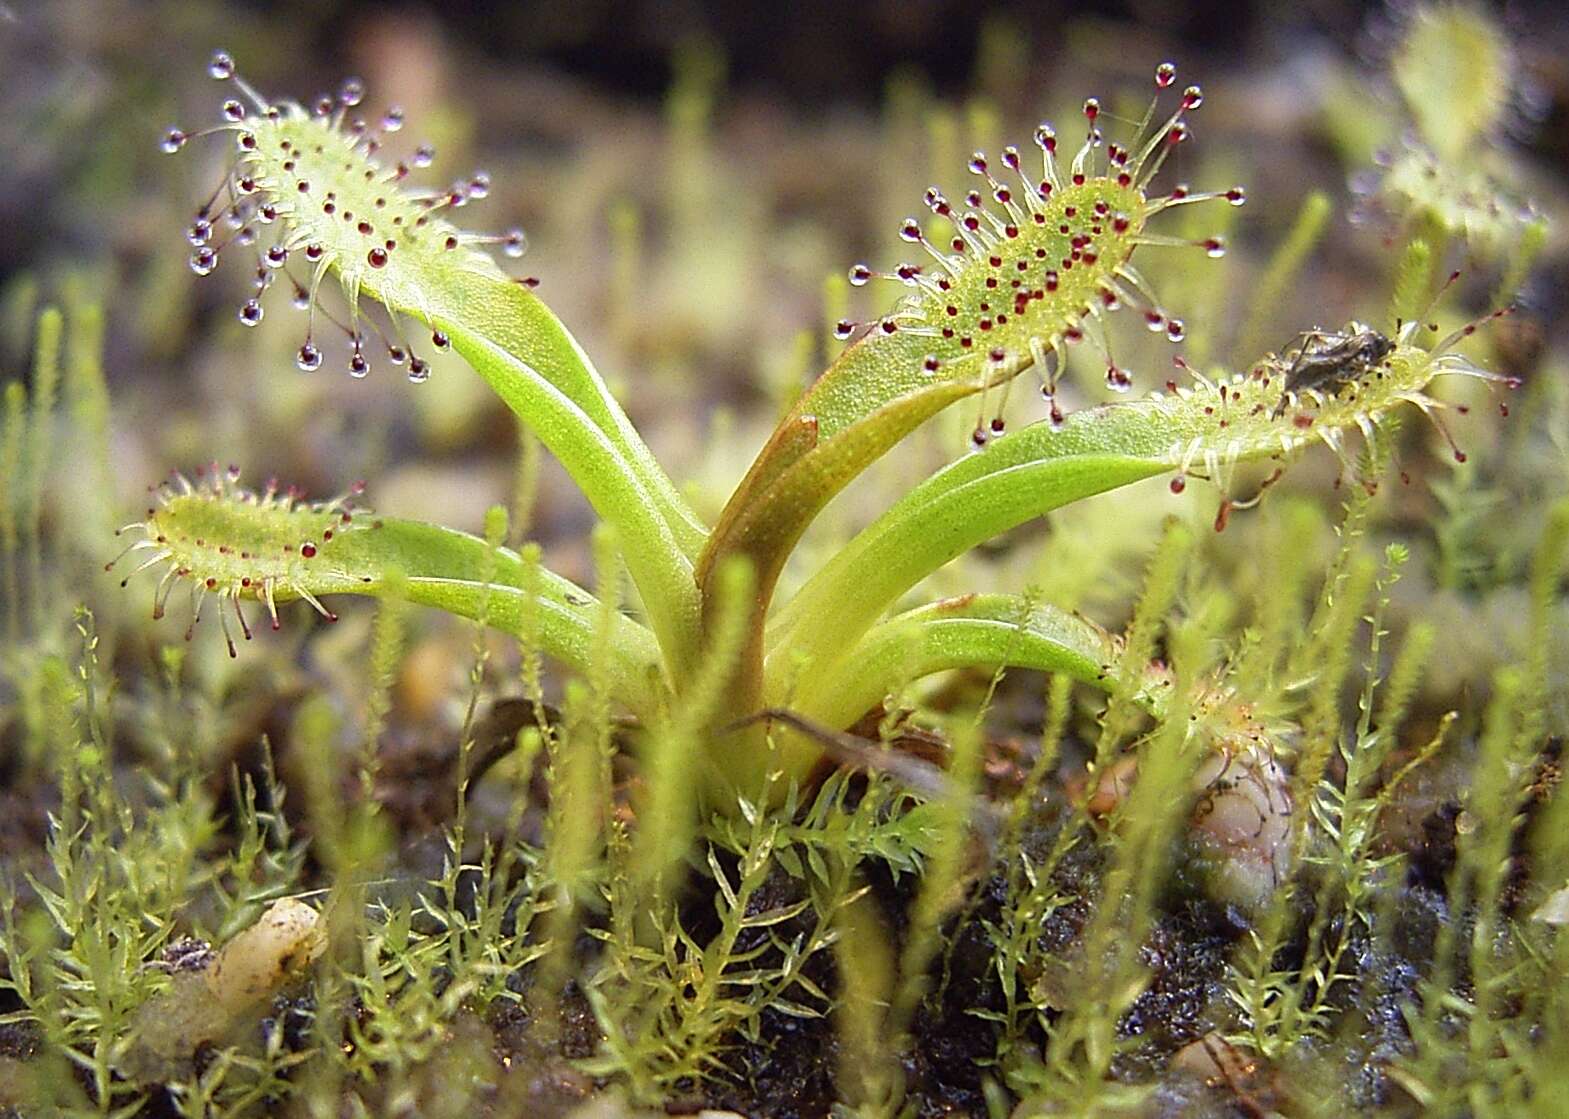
column 690, row 175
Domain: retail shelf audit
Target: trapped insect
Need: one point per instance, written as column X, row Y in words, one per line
column 1327, row 360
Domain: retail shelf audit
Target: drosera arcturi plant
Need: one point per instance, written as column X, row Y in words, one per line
column 1057, row 247
column 395, row 996
column 1036, row 261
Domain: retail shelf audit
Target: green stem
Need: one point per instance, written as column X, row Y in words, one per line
column 972, row 631
column 446, row 569
column 764, row 524
column 514, row 320
column 631, row 668
column 563, row 401
column 973, row 500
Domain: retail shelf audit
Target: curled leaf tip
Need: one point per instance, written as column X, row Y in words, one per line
column 306, row 193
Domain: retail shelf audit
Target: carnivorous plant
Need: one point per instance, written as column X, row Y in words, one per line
column 1008, row 274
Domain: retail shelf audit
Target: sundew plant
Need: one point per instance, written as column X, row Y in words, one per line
column 1241, row 782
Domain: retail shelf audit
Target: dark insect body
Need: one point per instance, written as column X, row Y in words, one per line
column 1326, row 360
